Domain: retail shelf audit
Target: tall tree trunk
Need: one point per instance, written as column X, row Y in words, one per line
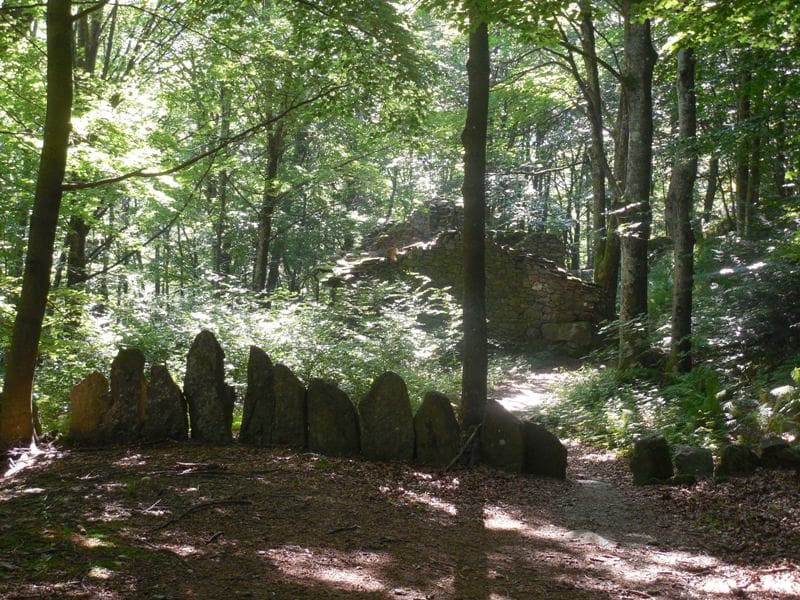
column 16, row 411
column 742, row 152
column 76, row 251
column 268, row 205
column 475, row 359
column 640, row 59
column 711, row 189
column 684, row 173
column 221, row 250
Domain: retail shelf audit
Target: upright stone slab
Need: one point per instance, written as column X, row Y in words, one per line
column 332, row 420
column 692, row 461
column 387, row 426
column 545, row 455
column 290, row 427
column 89, row 402
column 501, row 439
column 123, row 421
column 165, row 415
column 210, row 399
column 778, row 454
column 259, row 400
column 651, row 461
column 436, row 431
column 736, row 460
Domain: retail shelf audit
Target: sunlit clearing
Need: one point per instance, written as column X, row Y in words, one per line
column 524, row 399
column 345, row 570
column 100, row 573
column 90, row 542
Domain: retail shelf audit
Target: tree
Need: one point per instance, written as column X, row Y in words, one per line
column 640, row 58
column 16, row 418
column 680, row 199
column 475, row 358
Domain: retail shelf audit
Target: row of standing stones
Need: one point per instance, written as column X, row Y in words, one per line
column 654, row 461
column 279, row 410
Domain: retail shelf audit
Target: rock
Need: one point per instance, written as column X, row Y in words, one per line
column 122, row 423
column 651, row 461
column 545, row 455
column 290, row 426
column 693, row 461
column 259, row 400
column 165, row 415
column 736, row 460
column 210, row 399
column 332, row 420
column 501, row 439
column 577, row 335
column 778, row 454
column 436, row 431
column 387, row 426
column 89, row 402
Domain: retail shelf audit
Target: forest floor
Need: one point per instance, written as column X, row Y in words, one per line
column 184, row 521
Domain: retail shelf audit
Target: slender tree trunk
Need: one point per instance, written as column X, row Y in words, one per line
column 742, row 152
column 16, row 411
column 684, row 173
column 268, row 205
column 753, row 183
column 221, row 251
column 475, row 359
column 711, row 189
column 640, row 59
column 76, row 251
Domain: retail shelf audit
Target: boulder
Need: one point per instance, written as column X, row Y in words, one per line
column 501, row 439
column 387, row 426
column 436, row 431
column 290, row 426
column 736, row 460
column 259, row 400
column 165, row 415
column 332, row 420
column 89, row 402
column 692, row 461
column 778, row 454
column 650, row 460
column 545, row 455
column 210, row 399
column 123, row 421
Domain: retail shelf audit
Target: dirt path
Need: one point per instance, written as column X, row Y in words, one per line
column 183, row 521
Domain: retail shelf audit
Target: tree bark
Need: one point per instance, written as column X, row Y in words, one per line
column 742, row 152
column 684, row 173
column 640, row 58
column 711, row 189
column 16, row 413
column 268, row 205
column 221, row 250
column 475, row 358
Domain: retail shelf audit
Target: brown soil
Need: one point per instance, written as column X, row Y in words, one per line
column 184, row 521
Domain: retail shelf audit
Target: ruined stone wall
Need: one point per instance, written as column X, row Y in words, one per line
column 531, row 302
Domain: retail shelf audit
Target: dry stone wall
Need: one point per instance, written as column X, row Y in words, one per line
column 531, row 302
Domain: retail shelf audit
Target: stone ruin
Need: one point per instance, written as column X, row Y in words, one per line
column 531, row 301
column 279, row 410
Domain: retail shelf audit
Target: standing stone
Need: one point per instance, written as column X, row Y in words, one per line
column 210, row 399
column 89, row 402
column 123, row 421
column 387, row 426
column 332, row 420
column 651, row 461
column 501, row 439
column 691, row 461
column 736, row 460
column 165, row 415
column 259, row 400
column 290, row 427
column 545, row 455
column 436, row 431
column 778, row 454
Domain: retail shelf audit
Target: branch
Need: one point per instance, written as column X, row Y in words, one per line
column 463, row 448
column 79, row 15
column 144, row 173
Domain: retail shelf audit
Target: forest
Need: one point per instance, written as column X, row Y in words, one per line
column 572, row 229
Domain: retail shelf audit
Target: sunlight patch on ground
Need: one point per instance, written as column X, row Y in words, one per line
column 90, row 542
column 345, row 570
column 132, row 460
column 100, row 573
column 23, row 458
column 182, row 550
column 431, row 501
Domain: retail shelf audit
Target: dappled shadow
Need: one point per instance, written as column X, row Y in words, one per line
column 193, row 522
